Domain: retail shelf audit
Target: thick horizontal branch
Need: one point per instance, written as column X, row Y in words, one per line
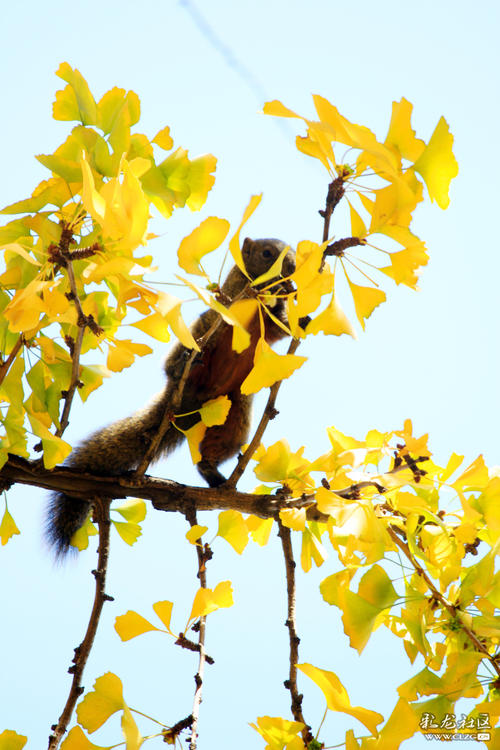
column 163, row 493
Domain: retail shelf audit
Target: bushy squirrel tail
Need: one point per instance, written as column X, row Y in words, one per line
column 114, row 450
column 65, row 515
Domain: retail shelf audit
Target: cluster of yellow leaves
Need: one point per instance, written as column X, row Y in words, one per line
column 439, row 515
column 396, row 164
column 104, row 180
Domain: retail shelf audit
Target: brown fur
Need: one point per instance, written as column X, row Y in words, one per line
column 217, row 371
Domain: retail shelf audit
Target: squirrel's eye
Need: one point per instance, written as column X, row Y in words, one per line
column 266, row 253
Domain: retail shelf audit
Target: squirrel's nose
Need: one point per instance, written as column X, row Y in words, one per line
column 288, row 266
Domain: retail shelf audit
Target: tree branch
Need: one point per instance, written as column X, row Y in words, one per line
column 4, row 366
column 203, row 555
column 291, row 682
column 82, row 651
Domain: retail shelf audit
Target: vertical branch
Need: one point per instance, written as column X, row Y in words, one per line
column 291, row 683
column 203, row 555
column 5, row 365
column 82, row 651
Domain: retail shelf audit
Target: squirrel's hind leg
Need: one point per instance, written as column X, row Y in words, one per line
column 224, row 441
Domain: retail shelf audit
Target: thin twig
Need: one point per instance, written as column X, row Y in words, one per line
column 438, row 597
column 198, row 678
column 291, row 624
column 83, row 650
column 4, row 367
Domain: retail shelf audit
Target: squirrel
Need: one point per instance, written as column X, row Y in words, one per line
column 217, row 370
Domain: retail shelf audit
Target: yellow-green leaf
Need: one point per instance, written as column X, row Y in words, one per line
column 204, row 239
column 234, row 243
column 331, row 321
column 233, row 529
column 366, row 299
column 98, row 705
column 129, row 532
column 130, row 730
column 337, row 698
column 260, row 529
column 215, row 411
column 163, row 139
column 401, row 135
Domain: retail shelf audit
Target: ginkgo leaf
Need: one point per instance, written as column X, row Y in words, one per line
column 437, row 164
column 129, row 532
column 77, row 740
column 133, row 510
column 194, row 436
column 101, row 703
column 312, row 550
column 75, row 102
column 154, row 325
column 358, row 228
column 215, row 411
column 10, row 740
column 260, row 529
column 55, row 449
column 366, row 299
column 164, row 611
column 278, row 732
column 401, row 135
column 233, row 529
column 80, row 538
column 208, row 600
column 337, row 698
column 269, row 367
column 294, row 518
column 234, row 242
column 131, row 625
column 331, row 321
column 123, row 352
column 163, row 139
column 8, row 529
column 401, row 724
column 204, row 239
column 195, row 533
column 133, row 737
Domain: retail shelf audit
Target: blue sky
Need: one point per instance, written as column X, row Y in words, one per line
column 431, row 356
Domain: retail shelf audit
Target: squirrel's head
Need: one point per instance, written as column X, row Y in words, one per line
column 259, row 256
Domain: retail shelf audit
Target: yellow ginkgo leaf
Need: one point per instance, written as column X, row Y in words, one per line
column 269, row 367
column 204, row 239
column 234, row 243
column 163, row 139
column 195, row 533
column 55, row 449
column 133, row 737
column 10, row 740
column 129, row 532
column 366, row 299
column 294, row 518
column 101, row 703
column 358, row 227
column 215, row 411
column 164, row 611
column 331, row 321
column 80, row 538
column 277, row 732
column 132, row 624
column 233, row 529
column 194, row 436
column 133, row 510
column 260, row 529
column 437, row 164
column 8, row 529
column 401, row 134
column 208, row 600
column 337, row 698
column 154, row 325
column 77, row 740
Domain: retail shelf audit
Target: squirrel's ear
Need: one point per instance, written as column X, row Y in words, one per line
column 247, row 243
